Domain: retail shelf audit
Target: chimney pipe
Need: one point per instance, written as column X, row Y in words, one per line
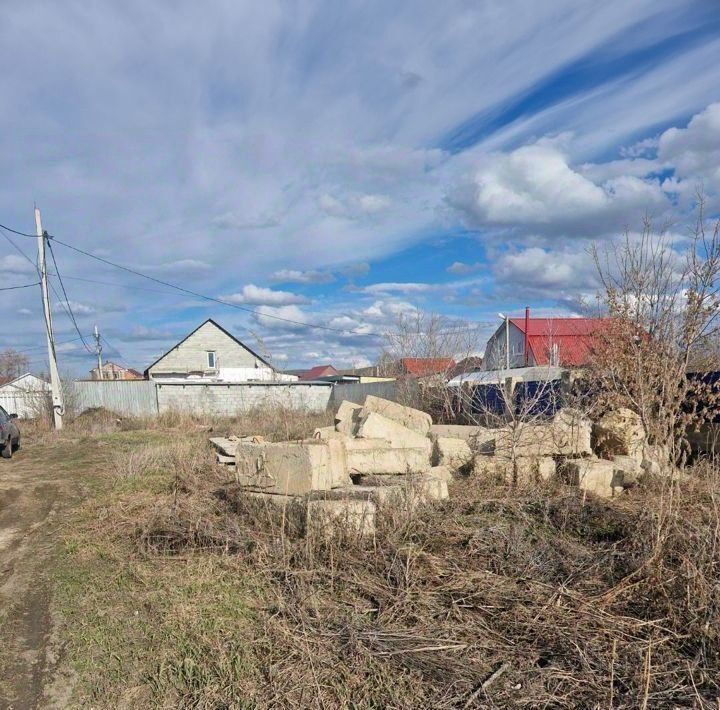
column 527, row 327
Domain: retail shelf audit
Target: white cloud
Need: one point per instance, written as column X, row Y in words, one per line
column 302, row 277
column 535, row 186
column 12, row 264
column 281, row 317
column 260, row 296
column 410, row 287
column 183, row 268
column 79, row 309
column 550, row 273
column 142, row 333
column 694, row 151
column 460, row 267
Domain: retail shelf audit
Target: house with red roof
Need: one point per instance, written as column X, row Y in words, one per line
column 526, row 341
column 318, row 372
column 425, row 366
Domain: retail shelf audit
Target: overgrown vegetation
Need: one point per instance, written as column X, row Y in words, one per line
column 176, row 591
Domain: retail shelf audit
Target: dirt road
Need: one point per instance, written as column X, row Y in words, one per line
column 39, row 488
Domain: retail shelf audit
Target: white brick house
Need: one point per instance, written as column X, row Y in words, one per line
column 210, row 353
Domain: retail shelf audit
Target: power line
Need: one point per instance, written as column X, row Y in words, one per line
column 42, row 347
column 13, row 288
column 67, row 300
column 196, row 294
column 15, row 231
column 200, row 295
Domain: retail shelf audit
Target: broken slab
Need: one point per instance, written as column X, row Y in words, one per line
column 452, row 453
column 327, row 518
column 366, row 456
column 291, row 468
column 414, row 419
column 480, row 439
column 598, row 476
column 327, row 432
column 372, row 425
column 525, row 470
column 420, row 486
column 227, row 446
column 568, row 433
column 391, row 494
column 619, row 432
column 441, row 472
column 347, row 417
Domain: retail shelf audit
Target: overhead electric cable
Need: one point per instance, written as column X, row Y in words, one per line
column 14, row 288
column 196, row 294
column 67, row 300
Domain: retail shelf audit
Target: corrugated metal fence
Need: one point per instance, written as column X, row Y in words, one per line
column 25, row 404
column 130, row 398
column 146, row 398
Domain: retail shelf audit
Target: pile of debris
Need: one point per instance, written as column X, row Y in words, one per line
column 604, row 457
column 377, row 454
column 382, row 453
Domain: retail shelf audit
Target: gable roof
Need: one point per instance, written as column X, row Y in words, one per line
column 574, row 337
column 318, row 371
column 219, row 327
column 421, row 366
column 15, row 381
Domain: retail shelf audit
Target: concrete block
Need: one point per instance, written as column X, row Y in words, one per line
column 619, row 432
column 375, row 426
column 347, row 417
column 525, row 470
column 407, row 416
column 441, row 472
column 479, row 438
column 327, row 518
column 418, row 487
column 328, row 432
column 453, row 453
column 384, row 495
column 594, row 475
column 567, row 434
column 337, row 462
column 365, row 456
column 290, row 468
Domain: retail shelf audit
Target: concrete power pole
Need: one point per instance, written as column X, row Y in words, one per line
column 57, row 397
column 98, row 350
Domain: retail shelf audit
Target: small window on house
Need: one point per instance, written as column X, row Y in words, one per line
column 211, row 360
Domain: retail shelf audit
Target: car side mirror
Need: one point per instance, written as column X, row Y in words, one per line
column 13, row 416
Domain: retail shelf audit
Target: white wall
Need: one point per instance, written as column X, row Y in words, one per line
column 229, row 399
column 495, row 349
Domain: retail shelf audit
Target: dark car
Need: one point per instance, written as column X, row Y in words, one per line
column 9, row 434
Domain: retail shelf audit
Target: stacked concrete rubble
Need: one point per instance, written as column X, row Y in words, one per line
column 605, row 457
column 376, row 454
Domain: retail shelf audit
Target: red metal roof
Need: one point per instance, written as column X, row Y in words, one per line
column 575, row 338
column 319, row 371
column 421, row 366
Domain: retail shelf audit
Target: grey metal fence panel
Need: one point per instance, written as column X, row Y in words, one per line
column 129, row 398
column 356, row 391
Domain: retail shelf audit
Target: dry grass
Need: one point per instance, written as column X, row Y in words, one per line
column 535, row 598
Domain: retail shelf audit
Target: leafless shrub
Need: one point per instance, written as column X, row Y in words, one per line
column 438, row 341
column 662, row 303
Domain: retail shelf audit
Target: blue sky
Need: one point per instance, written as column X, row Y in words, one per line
column 339, row 164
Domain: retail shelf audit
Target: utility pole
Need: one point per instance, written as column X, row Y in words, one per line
column 98, row 350
column 57, row 398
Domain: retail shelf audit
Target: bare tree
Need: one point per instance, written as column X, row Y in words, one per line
column 12, row 364
column 437, row 343
column 535, row 412
column 662, row 305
